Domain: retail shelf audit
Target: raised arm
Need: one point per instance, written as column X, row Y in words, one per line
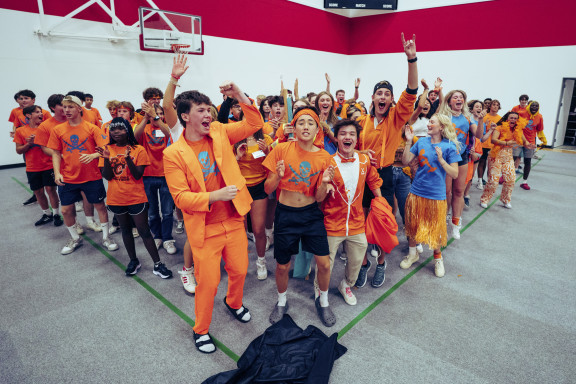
column 179, row 67
column 253, row 119
column 438, row 89
column 356, row 86
column 296, row 95
column 408, row 156
column 421, row 102
column 410, row 51
column 327, row 82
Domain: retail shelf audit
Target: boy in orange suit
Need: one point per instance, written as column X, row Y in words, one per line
column 205, row 181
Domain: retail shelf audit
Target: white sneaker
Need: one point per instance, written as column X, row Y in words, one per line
column 484, row 205
column 94, row 226
column 188, row 280
column 419, row 248
column 250, row 236
column 179, row 227
column 79, row 206
column 158, row 243
column 409, row 260
column 346, row 292
column 439, row 267
column 135, row 233
column 261, row 270
column 79, row 229
column 170, row 247
column 71, row 245
column 480, row 185
column 110, row 244
column 456, row 231
column 112, row 229
column 506, row 205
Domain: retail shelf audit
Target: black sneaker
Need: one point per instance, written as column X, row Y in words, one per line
column 363, row 275
column 31, row 200
column 44, row 219
column 133, row 267
column 467, row 201
column 58, row 220
column 161, row 270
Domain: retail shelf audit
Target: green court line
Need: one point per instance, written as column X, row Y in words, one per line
column 379, row 300
column 341, row 333
column 154, row 292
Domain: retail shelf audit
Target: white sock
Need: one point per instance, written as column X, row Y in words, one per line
column 282, row 299
column 324, row 299
column 90, row 219
column 261, row 260
column 206, row 347
column 56, row 211
column 47, row 212
column 73, row 232
column 411, row 251
column 104, row 227
column 269, row 231
column 246, row 316
column 188, row 269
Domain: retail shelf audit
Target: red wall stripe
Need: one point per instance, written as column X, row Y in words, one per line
column 487, row 25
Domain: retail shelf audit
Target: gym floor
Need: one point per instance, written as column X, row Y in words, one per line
column 504, row 313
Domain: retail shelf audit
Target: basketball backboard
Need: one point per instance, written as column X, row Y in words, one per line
column 166, row 31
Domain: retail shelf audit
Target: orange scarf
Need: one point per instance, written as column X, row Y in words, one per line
column 507, row 134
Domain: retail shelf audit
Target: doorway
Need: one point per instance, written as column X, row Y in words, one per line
column 565, row 130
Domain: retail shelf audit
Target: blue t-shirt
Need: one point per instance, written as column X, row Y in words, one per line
column 329, row 146
column 430, row 179
column 462, row 128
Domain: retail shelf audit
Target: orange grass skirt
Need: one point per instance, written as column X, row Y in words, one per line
column 426, row 221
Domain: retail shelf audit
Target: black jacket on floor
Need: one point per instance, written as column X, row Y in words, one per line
column 285, row 354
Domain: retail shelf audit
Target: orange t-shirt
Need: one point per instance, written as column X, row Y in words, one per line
column 154, row 142
column 96, row 113
column 124, row 189
column 36, row 159
column 213, row 180
column 345, row 109
column 488, row 120
column 534, row 125
column 45, row 130
column 73, row 142
column 522, row 112
column 18, row 119
column 388, row 133
column 302, row 169
column 251, row 167
column 478, row 150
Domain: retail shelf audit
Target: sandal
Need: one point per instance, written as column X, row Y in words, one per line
column 325, row 314
column 206, row 345
column 238, row 315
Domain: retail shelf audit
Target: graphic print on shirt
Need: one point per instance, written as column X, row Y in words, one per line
column 75, row 144
column 118, row 164
column 423, row 160
column 304, row 175
column 154, row 140
column 207, row 166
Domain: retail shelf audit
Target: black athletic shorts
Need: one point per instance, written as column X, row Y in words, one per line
column 387, row 188
column 292, row 225
column 41, row 179
column 257, row 191
column 132, row 210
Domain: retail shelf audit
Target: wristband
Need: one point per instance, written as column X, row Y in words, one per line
column 177, row 78
column 173, row 81
column 413, row 60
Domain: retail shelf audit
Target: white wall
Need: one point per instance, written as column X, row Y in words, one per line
column 121, row 71
column 564, row 112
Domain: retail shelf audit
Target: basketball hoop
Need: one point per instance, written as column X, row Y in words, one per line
column 179, row 48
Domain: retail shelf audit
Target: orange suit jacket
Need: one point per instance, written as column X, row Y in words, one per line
column 185, row 179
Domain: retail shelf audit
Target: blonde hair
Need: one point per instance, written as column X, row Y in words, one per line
column 214, row 113
column 112, row 104
column 448, row 129
column 445, row 108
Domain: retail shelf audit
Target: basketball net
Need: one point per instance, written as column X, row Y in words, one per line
column 179, row 48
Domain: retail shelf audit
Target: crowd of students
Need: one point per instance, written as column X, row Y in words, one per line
column 307, row 180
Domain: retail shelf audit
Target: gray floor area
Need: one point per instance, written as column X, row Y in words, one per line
column 504, row 313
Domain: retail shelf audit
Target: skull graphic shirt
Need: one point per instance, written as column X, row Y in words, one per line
column 220, row 210
column 302, row 169
column 72, row 142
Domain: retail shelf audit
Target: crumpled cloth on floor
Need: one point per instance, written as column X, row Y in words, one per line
column 283, row 354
